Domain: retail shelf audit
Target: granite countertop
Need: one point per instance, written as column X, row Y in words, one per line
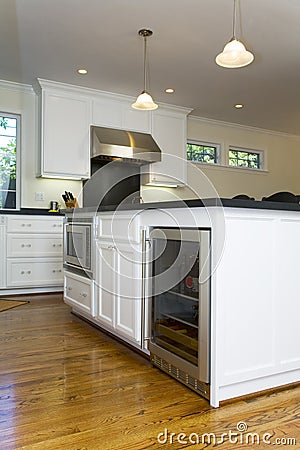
column 193, row 203
column 30, row 211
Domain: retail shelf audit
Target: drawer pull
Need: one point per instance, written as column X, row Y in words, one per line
column 22, row 272
column 26, row 245
column 69, row 288
column 83, row 294
column 29, row 272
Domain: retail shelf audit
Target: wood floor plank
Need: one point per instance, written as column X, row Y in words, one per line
column 66, row 385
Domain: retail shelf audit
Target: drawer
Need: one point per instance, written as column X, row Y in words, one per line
column 119, row 227
column 26, row 245
column 34, row 272
column 34, row 224
column 79, row 292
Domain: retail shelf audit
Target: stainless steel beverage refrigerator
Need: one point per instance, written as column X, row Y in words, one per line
column 179, row 281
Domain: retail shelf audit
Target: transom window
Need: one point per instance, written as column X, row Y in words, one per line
column 245, row 158
column 203, row 152
column 9, row 131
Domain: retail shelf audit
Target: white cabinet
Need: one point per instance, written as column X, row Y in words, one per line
column 34, row 251
column 79, row 293
column 113, row 112
column 118, row 281
column 119, row 274
column 65, row 134
column 169, row 132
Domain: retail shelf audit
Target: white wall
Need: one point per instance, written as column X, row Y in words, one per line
column 20, row 99
column 283, row 163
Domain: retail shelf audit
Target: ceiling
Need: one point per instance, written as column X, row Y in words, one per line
column 52, row 38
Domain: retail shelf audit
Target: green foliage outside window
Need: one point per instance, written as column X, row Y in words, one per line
column 202, row 153
column 8, row 161
column 242, row 158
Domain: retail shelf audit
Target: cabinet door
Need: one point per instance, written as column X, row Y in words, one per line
column 65, row 135
column 105, row 283
column 114, row 113
column 169, row 132
column 128, row 292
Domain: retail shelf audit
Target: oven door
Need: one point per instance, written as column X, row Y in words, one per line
column 77, row 245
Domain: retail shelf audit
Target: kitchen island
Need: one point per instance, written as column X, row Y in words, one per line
column 254, row 294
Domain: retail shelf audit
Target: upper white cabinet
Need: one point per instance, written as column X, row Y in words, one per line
column 109, row 111
column 65, row 122
column 67, row 112
column 169, row 131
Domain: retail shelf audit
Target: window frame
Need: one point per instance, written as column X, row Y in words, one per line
column 218, row 147
column 261, row 153
column 18, row 158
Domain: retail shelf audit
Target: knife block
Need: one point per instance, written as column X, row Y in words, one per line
column 72, row 203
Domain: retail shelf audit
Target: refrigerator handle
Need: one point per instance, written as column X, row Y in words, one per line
column 145, row 241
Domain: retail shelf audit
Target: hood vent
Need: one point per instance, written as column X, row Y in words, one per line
column 131, row 146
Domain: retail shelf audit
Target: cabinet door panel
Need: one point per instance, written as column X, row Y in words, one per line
column 128, row 300
column 105, row 280
column 65, row 136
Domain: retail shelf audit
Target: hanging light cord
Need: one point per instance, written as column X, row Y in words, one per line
column 234, row 19
column 145, row 64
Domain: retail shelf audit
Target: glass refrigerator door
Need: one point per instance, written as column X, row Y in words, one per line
column 176, row 266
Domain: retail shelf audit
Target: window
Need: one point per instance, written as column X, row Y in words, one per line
column 9, row 131
column 203, row 152
column 250, row 159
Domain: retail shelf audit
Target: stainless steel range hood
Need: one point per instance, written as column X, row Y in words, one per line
column 113, row 144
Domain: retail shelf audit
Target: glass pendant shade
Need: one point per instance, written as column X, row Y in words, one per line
column 144, row 102
column 234, row 55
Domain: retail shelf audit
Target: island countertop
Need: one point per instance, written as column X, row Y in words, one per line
column 194, row 203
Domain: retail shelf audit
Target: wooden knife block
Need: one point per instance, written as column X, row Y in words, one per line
column 72, row 203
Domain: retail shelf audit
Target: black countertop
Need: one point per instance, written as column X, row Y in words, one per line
column 195, row 203
column 30, row 211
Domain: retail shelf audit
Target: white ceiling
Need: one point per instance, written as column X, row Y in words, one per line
column 52, row 38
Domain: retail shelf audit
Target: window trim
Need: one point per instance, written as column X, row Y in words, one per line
column 18, row 159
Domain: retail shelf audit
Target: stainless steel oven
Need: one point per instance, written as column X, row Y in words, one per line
column 180, row 304
column 78, row 235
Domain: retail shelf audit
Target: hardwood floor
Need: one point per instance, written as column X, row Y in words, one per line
column 66, row 385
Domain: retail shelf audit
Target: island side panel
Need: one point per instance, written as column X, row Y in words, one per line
column 256, row 302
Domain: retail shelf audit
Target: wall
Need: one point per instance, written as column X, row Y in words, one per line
column 283, row 164
column 20, row 99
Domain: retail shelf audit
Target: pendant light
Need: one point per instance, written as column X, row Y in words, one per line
column 145, row 101
column 234, row 54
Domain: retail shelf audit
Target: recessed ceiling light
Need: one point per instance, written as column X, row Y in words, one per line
column 82, row 71
column 239, row 106
column 169, row 90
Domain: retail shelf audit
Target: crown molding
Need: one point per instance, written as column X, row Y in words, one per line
column 16, row 86
column 222, row 123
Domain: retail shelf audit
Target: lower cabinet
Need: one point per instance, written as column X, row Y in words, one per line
column 119, row 288
column 28, row 272
column 79, row 293
column 31, row 252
